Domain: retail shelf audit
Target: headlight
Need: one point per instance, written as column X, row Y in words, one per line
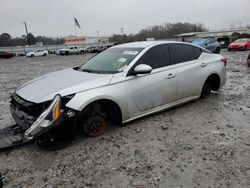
column 46, row 119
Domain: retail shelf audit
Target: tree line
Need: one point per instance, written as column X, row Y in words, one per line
column 164, row 31
column 7, row 40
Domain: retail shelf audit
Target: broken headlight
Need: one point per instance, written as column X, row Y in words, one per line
column 46, row 119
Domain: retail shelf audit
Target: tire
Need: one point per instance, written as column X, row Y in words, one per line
column 66, row 53
column 248, row 63
column 44, row 54
column 217, row 51
column 229, row 49
column 206, row 90
column 94, row 125
column 32, row 55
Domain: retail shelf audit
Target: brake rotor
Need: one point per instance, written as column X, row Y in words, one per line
column 95, row 126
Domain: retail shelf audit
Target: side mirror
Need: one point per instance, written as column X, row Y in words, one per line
column 142, row 69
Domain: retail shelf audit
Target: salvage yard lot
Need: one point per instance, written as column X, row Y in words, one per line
column 200, row 144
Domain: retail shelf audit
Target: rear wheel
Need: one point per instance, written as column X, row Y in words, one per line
column 217, row 51
column 32, row 55
column 248, row 62
column 206, row 90
column 94, row 125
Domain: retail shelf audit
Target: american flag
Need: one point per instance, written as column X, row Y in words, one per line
column 77, row 23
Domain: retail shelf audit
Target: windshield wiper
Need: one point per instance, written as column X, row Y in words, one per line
column 91, row 71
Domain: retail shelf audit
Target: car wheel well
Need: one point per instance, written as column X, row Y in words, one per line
column 105, row 107
column 214, row 81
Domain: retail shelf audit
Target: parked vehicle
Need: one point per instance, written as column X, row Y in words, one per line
column 209, row 43
column 21, row 53
column 71, row 50
column 121, row 84
column 92, row 49
column 37, row 53
column 239, row 44
column 7, row 55
column 248, row 60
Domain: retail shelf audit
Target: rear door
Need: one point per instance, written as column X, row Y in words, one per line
column 212, row 44
column 190, row 71
column 152, row 90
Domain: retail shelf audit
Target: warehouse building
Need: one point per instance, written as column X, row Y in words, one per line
column 85, row 40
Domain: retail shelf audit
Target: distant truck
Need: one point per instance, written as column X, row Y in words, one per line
column 71, row 50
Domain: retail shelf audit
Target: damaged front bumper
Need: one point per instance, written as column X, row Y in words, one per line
column 19, row 134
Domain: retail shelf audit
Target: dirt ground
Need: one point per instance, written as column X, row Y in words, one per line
column 205, row 143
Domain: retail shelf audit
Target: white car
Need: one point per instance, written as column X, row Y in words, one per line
column 121, row 84
column 37, row 53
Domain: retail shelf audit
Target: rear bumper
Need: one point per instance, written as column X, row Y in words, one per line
column 236, row 48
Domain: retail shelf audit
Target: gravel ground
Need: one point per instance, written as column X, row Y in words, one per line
column 205, row 143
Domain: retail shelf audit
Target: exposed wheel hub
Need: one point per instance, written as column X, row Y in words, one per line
column 95, row 126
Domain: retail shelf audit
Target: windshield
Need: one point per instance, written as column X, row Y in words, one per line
column 111, row 61
column 242, row 40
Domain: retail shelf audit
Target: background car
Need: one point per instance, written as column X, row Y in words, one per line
column 210, row 44
column 71, row 50
column 37, row 53
column 22, row 53
column 239, row 44
column 7, row 55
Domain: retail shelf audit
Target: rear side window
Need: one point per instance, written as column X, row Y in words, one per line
column 183, row 53
column 211, row 40
column 197, row 52
column 156, row 57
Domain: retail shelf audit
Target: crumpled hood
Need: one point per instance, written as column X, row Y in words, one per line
column 64, row 82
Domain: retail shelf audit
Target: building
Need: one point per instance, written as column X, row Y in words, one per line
column 85, row 40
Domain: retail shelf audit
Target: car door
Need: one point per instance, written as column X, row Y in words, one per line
column 149, row 91
column 212, row 44
column 190, row 70
column 36, row 53
column 40, row 53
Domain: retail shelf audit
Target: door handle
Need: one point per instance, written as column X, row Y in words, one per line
column 170, row 75
column 203, row 64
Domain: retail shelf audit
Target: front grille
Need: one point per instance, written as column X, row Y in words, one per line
column 30, row 108
column 24, row 112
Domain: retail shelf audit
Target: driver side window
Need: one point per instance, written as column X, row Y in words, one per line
column 156, row 57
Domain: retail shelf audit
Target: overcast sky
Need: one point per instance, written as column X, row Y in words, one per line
column 56, row 17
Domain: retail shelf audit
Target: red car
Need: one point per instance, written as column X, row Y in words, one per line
column 239, row 44
column 7, row 55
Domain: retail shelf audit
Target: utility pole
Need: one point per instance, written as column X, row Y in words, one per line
column 122, row 33
column 26, row 29
column 97, row 32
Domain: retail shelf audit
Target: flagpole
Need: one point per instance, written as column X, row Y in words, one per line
column 75, row 31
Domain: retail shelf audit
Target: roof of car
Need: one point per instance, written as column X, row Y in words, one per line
column 142, row 44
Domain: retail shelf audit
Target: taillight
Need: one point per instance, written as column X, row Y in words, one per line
column 224, row 60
